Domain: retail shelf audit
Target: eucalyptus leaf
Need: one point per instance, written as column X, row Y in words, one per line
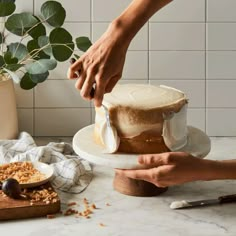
column 38, row 30
column 14, row 67
column 62, row 44
column 13, row 75
column 26, row 82
column 53, row 13
column 42, row 42
column 76, row 56
column 20, row 23
column 39, row 78
column 1, row 38
column 41, row 66
column 5, row 1
column 9, row 59
column 2, row 62
column 83, row 43
column 17, row 50
column 33, row 48
column 6, row 8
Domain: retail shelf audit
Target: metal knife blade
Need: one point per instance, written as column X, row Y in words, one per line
column 208, row 202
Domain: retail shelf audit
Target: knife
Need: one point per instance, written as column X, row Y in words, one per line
column 208, row 202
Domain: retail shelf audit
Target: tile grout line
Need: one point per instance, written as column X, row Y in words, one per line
column 34, row 125
column 206, row 66
column 91, row 36
column 148, row 53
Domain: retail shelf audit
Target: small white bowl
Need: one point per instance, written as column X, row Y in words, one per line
column 45, row 169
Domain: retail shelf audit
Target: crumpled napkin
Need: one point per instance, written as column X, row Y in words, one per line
column 71, row 173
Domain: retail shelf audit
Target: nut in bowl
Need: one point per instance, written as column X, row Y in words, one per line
column 28, row 174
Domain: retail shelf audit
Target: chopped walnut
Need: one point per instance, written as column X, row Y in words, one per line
column 23, row 172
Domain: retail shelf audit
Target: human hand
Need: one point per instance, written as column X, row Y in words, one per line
column 102, row 65
column 167, row 169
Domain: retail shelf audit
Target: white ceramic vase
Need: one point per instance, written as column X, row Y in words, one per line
column 8, row 111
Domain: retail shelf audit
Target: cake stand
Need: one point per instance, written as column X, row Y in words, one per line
column 83, row 144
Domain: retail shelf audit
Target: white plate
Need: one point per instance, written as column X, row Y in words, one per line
column 83, row 144
column 45, row 169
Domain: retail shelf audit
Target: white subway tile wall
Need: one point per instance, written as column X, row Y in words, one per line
column 189, row 44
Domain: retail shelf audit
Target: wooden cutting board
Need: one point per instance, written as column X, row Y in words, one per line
column 23, row 208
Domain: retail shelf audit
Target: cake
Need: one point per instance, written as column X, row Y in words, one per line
column 144, row 119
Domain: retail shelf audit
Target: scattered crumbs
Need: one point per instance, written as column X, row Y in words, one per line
column 71, row 204
column 101, row 224
column 51, row 216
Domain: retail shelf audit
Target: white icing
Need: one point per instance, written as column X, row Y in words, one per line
column 175, row 129
column 143, row 96
column 108, row 134
column 179, row 204
column 110, row 138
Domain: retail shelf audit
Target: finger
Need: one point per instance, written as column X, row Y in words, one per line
column 143, row 174
column 71, row 74
column 80, row 81
column 99, row 92
column 111, row 84
column 151, row 159
column 88, row 86
column 74, row 70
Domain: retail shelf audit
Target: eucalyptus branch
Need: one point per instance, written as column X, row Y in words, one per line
column 3, row 34
column 26, row 34
column 29, row 56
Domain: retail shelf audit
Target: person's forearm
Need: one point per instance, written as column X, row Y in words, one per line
column 216, row 170
column 135, row 16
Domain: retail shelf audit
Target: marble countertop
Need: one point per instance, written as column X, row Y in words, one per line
column 126, row 215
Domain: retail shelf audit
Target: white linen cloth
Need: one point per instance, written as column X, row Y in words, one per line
column 71, row 173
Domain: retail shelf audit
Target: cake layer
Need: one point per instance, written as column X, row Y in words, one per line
column 140, row 113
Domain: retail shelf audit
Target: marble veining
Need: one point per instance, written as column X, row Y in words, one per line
column 139, row 216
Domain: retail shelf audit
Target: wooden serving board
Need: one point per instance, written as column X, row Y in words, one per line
column 22, row 208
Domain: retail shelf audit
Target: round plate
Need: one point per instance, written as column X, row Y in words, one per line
column 83, row 143
column 45, row 169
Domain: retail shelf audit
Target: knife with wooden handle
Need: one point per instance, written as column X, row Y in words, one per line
column 208, row 202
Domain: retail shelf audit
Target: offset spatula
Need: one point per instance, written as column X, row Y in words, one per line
column 187, row 204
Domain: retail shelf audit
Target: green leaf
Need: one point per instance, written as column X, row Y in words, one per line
column 53, row 13
column 41, row 66
column 17, row 50
column 14, row 67
column 6, row 8
column 44, row 40
column 76, row 56
column 19, row 24
column 2, row 62
column 83, row 43
column 38, row 30
column 14, row 76
column 26, row 82
column 33, row 47
column 7, row 1
column 39, row 78
column 9, row 59
column 62, row 44
column 1, row 38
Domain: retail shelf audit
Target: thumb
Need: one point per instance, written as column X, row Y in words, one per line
column 153, row 160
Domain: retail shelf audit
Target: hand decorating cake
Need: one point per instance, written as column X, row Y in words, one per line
column 144, row 119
